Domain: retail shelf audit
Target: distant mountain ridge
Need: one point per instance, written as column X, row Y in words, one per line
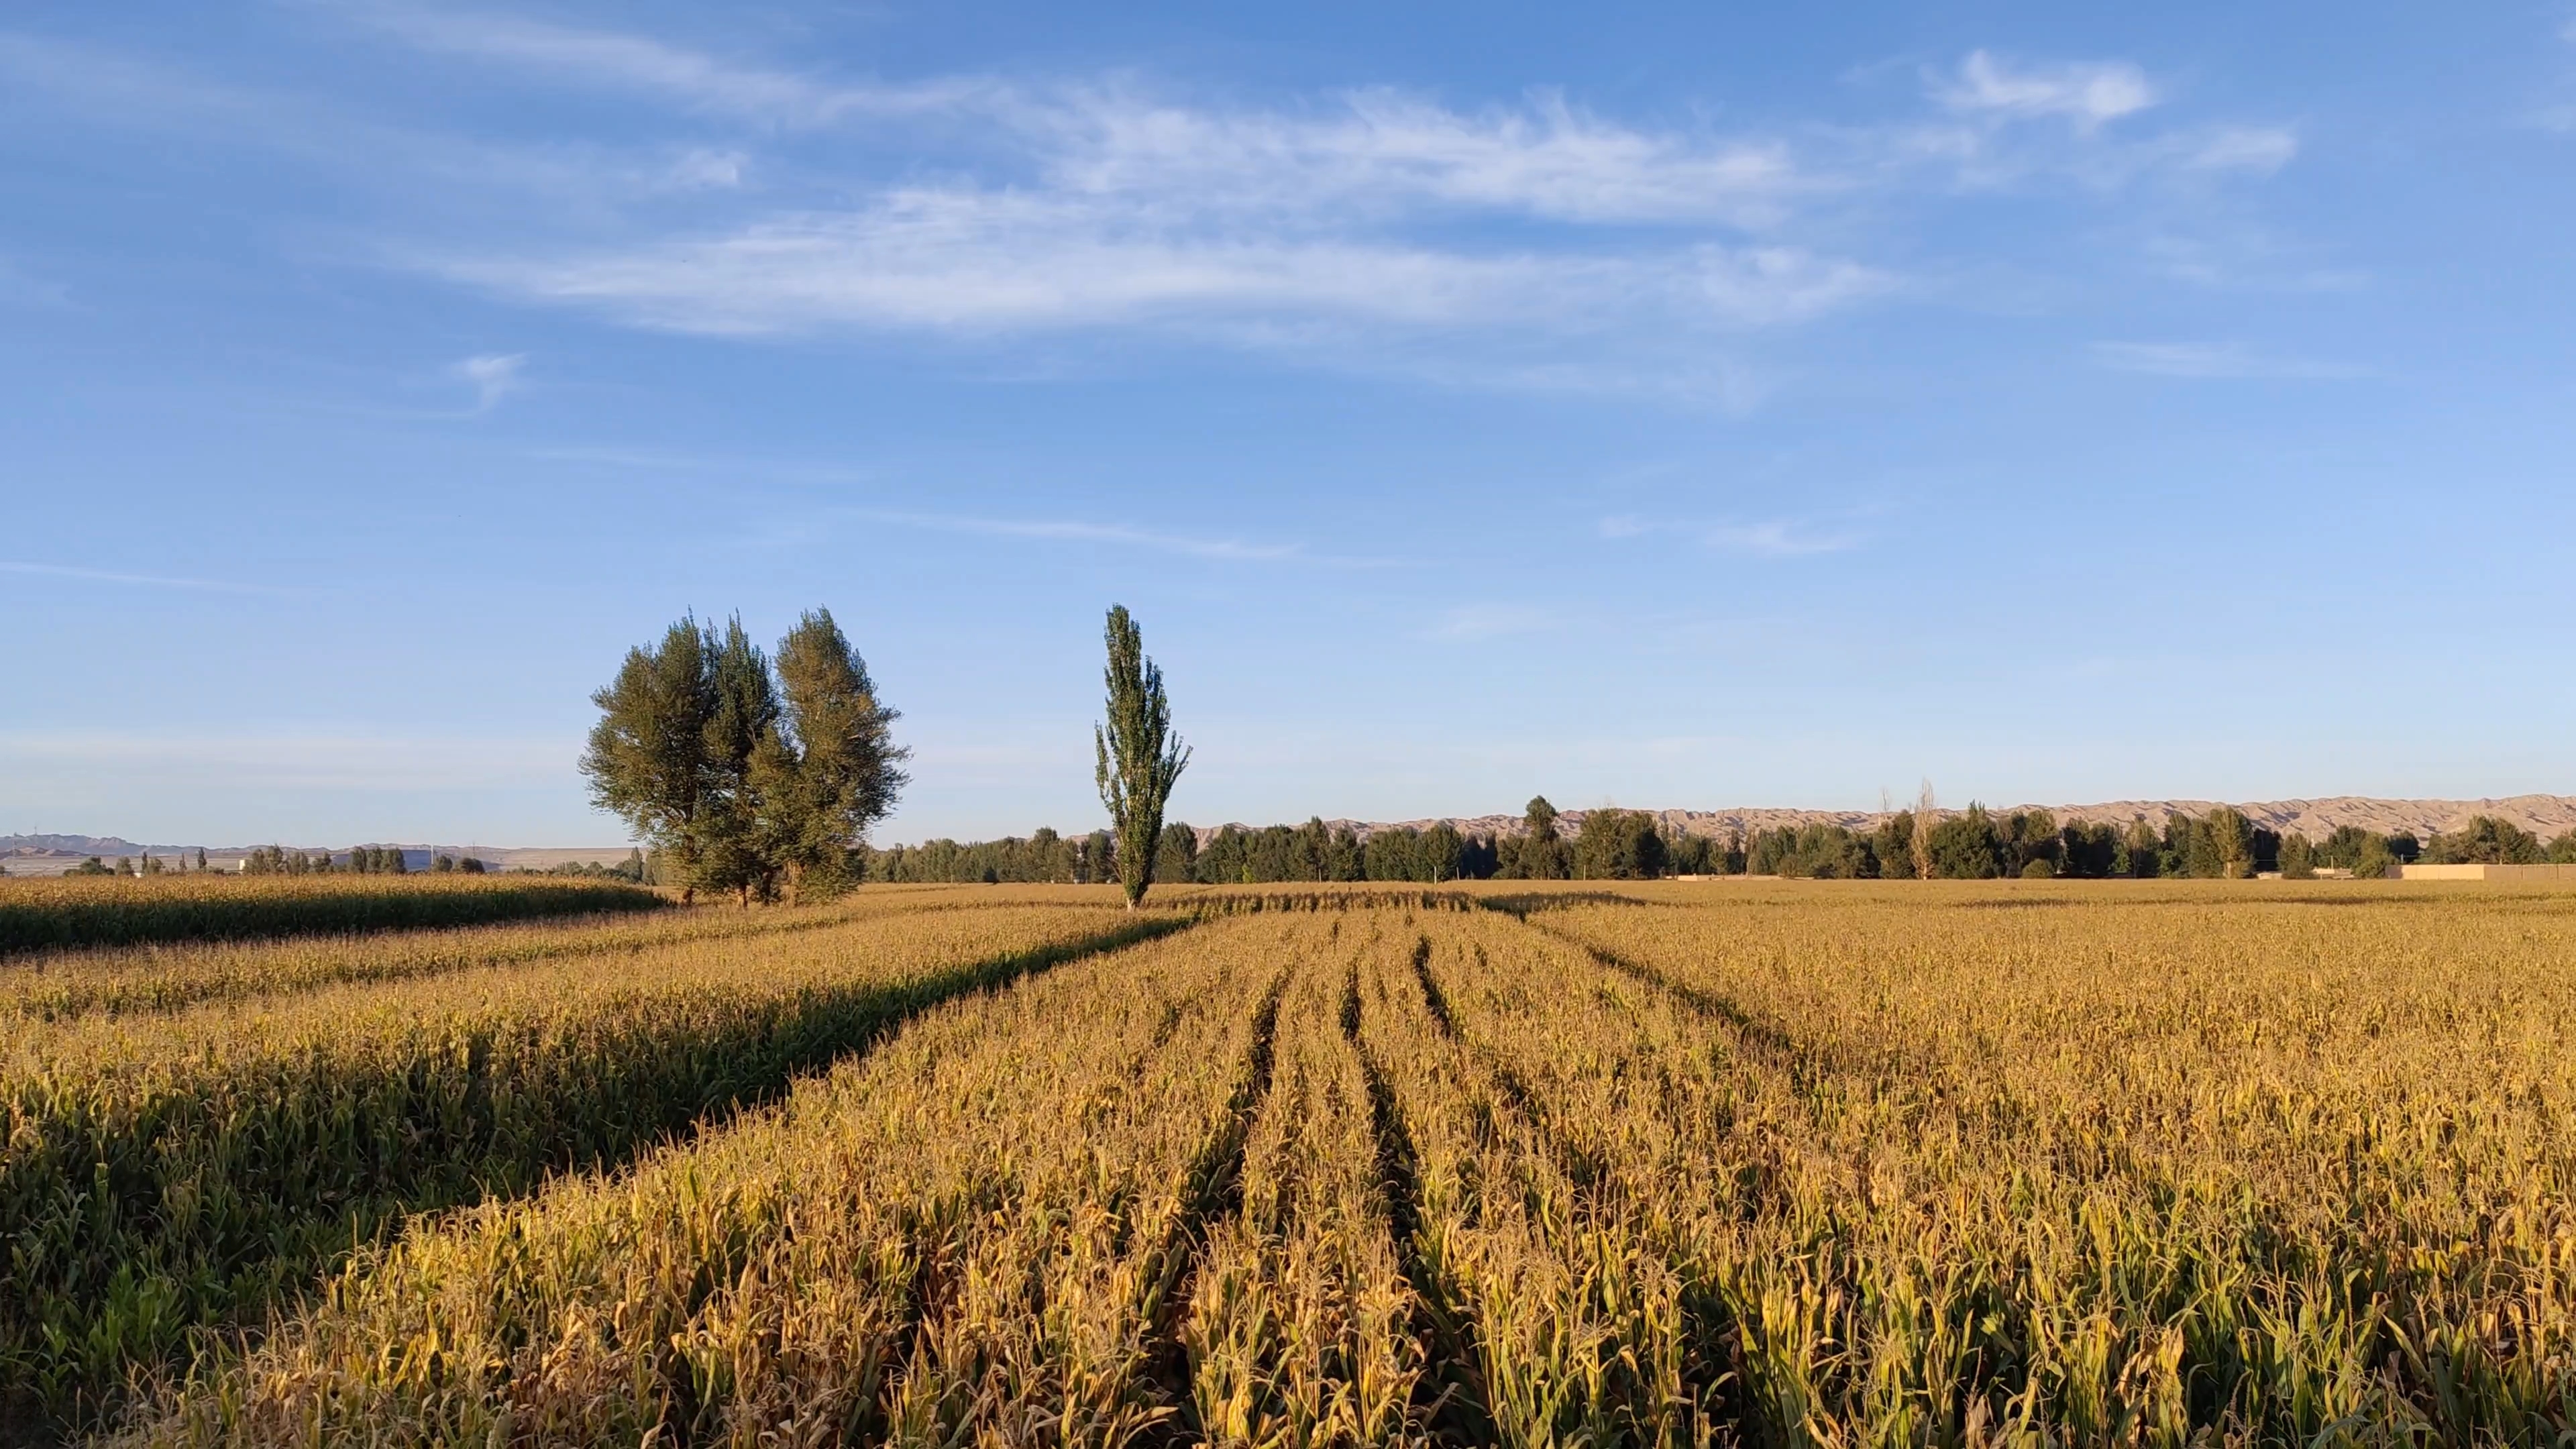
column 54, row 854
column 75, row 845
column 2546, row 816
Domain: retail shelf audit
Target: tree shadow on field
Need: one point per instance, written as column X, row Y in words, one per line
column 203, row 1217
column 1523, row 906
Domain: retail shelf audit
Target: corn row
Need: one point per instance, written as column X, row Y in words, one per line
column 58, row 986
column 1302, row 1328
column 2218, row 1183
column 1569, row 1329
column 970, row 1236
column 169, row 1173
column 51, row 914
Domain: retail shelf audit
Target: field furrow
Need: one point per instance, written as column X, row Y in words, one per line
column 54, row 914
column 1301, row 1329
column 1571, row 1329
column 170, row 1173
column 967, row 1236
column 59, row 985
column 1900, row 1165
column 2203, row 1181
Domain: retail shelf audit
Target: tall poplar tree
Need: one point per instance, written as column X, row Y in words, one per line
column 1139, row 757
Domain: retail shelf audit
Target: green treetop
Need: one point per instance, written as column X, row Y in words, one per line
column 1140, row 759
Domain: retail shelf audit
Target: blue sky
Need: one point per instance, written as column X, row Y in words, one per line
column 1694, row 406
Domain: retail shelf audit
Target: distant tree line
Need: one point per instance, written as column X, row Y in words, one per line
column 278, row 860
column 1972, row 844
column 636, row 867
column 365, row 860
column 146, row 865
column 1611, row 845
column 2486, row 840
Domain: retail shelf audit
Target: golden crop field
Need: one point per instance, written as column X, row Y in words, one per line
column 194, row 1134
column 1671, row 1164
column 71, row 911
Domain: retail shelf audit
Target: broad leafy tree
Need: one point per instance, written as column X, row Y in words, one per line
column 742, row 774
column 828, row 767
column 1178, row 856
column 1542, row 856
column 1967, row 846
column 2485, row 840
column 2298, row 857
column 737, row 849
column 1618, row 845
column 647, row 759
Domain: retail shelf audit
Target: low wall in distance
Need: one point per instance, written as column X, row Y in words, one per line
column 2489, row 872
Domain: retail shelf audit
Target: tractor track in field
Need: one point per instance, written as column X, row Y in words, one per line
column 1716, row 1371
column 1214, row 1190
column 1754, row 1034
column 1451, row 1395
column 935, row 1285
column 1581, row 1168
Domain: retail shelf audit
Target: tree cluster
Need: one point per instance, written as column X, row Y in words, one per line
column 147, row 865
column 2486, row 840
column 1977, row 844
column 747, row 774
column 364, row 860
column 634, row 868
column 1042, row 857
column 1612, row 845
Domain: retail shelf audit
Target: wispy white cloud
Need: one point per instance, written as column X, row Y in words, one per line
column 2247, row 258
column 705, row 168
column 983, row 262
column 149, row 581
column 2087, row 94
column 2218, row 360
column 533, row 182
column 639, row 63
column 1775, row 538
column 1352, row 231
column 2561, row 115
column 493, row 376
column 2262, row 149
column 1229, row 549
column 1778, row 538
column 1377, row 149
column 1470, row 623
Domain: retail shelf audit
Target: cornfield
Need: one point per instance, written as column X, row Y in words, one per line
column 1844, row 1164
column 126, row 910
column 169, row 1170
